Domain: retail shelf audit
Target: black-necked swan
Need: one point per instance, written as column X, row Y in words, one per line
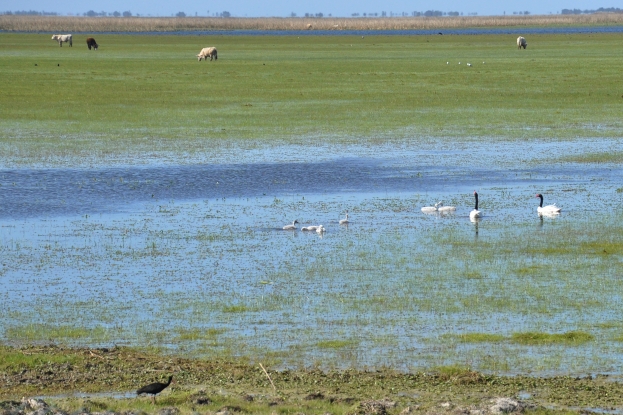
column 344, row 221
column 430, row 209
column 291, row 227
column 475, row 213
column 441, row 208
column 547, row 210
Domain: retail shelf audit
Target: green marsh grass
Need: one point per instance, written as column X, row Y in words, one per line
column 141, row 98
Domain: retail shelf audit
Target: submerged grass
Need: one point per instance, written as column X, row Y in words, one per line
column 265, row 90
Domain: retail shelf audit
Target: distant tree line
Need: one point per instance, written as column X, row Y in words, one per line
column 427, row 13
column 599, row 10
column 31, row 13
column 221, row 14
column 92, row 13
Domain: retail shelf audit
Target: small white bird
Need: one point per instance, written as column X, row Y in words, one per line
column 447, row 63
column 547, row 210
column 459, row 63
column 344, row 221
column 483, row 62
column 430, row 209
column 320, row 229
column 291, row 227
column 469, row 64
column 475, row 213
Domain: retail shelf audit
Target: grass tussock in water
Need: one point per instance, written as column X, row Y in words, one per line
column 529, row 338
column 569, row 338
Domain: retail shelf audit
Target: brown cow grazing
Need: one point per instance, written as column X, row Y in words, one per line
column 91, row 43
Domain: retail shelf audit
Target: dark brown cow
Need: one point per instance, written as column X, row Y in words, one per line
column 91, row 43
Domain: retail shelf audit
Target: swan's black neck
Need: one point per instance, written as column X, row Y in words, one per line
column 541, row 197
column 476, row 196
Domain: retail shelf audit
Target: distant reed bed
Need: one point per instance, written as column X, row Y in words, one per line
column 174, row 24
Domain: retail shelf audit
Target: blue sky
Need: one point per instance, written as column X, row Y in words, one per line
column 283, row 8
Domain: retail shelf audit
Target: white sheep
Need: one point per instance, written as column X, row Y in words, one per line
column 207, row 52
column 521, row 42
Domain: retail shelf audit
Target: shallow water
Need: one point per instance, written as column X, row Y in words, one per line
column 192, row 257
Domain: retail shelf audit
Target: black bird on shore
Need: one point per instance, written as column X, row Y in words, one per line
column 154, row 388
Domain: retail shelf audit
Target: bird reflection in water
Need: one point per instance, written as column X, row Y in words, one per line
column 475, row 221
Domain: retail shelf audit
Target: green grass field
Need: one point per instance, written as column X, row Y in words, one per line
column 150, row 93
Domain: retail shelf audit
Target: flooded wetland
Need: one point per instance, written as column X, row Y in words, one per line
column 193, row 258
column 169, row 238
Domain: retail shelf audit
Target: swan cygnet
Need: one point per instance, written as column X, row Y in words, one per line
column 291, row 227
column 475, row 213
column 430, row 209
column 547, row 210
column 344, row 221
column 441, row 208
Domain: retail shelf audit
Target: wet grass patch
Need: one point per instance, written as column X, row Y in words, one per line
column 63, row 333
column 573, row 338
column 480, row 338
column 610, row 157
column 336, row 344
column 199, row 334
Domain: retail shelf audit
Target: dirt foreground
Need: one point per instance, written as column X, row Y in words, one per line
column 111, row 375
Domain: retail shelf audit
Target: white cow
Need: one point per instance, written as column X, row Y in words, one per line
column 521, row 42
column 62, row 38
column 205, row 52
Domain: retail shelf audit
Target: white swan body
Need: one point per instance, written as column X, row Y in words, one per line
column 475, row 213
column 291, row 227
column 320, row 229
column 430, row 209
column 344, row 221
column 441, row 208
column 309, row 228
column 547, row 210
